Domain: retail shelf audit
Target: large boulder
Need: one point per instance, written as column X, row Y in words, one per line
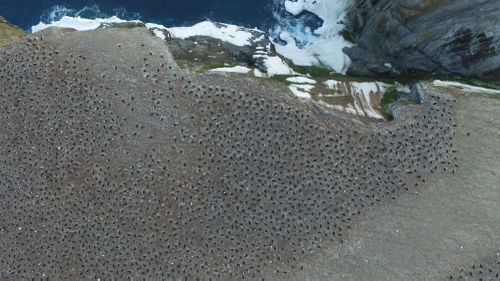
column 450, row 37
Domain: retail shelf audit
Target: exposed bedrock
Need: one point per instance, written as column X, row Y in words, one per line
column 459, row 37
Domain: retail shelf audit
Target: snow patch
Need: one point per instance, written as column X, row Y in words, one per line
column 301, row 91
column 257, row 73
column 154, row 25
column 366, row 89
column 235, row 69
column 159, row 34
column 275, row 65
column 300, row 80
column 332, row 84
column 233, row 34
column 362, row 94
column 465, row 87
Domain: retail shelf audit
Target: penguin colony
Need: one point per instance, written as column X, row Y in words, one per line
column 146, row 172
column 482, row 272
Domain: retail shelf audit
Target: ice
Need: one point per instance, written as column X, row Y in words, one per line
column 294, row 8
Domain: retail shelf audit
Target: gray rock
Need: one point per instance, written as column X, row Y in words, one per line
column 417, row 93
column 459, row 37
column 365, row 63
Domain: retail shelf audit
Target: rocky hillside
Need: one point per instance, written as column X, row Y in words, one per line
column 139, row 168
column 459, row 37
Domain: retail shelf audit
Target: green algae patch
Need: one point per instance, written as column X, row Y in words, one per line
column 390, row 96
column 9, row 32
column 314, row 71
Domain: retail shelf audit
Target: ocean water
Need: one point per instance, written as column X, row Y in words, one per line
column 310, row 36
column 263, row 14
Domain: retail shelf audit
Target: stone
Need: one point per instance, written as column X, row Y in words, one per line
column 459, row 37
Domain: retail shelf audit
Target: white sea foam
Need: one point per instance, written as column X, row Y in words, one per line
column 295, row 54
column 294, row 8
column 56, row 13
column 77, row 23
column 326, row 43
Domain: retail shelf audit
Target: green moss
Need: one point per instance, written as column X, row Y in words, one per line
column 343, row 100
column 390, row 96
column 489, row 96
column 279, row 80
column 348, row 35
column 9, row 32
column 314, row 71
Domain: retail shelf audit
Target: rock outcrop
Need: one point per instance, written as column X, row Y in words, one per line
column 459, row 37
column 9, row 32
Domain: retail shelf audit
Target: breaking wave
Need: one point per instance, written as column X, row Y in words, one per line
column 307, row 36
column 301, row 27
column 57, row 12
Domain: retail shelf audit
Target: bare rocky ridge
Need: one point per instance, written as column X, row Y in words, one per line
column 116, row 163
column 447, row 37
